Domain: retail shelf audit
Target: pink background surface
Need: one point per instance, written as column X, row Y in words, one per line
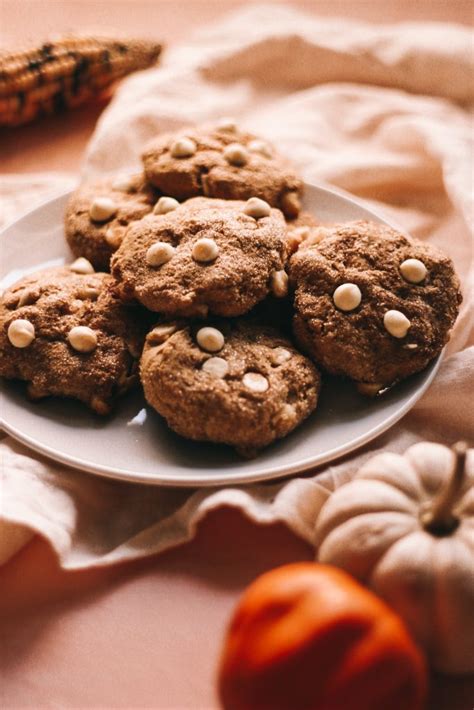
column 147, row 634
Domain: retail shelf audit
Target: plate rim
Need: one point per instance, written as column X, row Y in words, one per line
column 230, row 478
column 272, row 474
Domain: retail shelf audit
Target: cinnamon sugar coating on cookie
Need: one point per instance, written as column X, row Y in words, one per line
column 86, row 342
column 224, row 164
column 392, row 328
column 255, row 390
column 219, row 259
column 127, row 198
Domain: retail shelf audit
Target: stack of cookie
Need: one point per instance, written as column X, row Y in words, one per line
column 214, row 271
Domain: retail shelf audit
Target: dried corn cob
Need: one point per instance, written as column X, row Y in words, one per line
column 65, row 73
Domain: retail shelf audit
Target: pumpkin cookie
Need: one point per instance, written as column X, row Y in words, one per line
column 373, row 304
column 206, row 255
column 99, row 212
column 232, row 382
column 221, row 162
column 65, row 332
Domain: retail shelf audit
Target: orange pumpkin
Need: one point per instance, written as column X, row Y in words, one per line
column 310, row 636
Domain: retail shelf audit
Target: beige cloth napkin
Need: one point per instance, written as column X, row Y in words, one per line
column 382, row 112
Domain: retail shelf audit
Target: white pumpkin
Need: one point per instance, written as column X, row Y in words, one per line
column 405, row 527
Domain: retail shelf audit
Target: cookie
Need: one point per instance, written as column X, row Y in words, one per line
column 205, row 256
column 231, row 382
column 67, row 334
column 99, row 212
column 221, row 162
column 373, row 304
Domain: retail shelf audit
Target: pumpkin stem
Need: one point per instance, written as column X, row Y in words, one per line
column 439, row 519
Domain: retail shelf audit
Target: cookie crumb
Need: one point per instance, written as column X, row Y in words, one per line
column 183, row 148
column 82, row 266
column 165, row 205
column 257, row 208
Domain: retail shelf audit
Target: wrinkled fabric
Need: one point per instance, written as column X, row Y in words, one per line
column 383, row 112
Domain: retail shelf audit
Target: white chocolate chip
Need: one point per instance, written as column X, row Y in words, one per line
column 216, row 366
column 88, row 292
column 258, row 146
column 21, row 333
column 255, row 382
column 102, row 209
column 124, row 183
column 347, row 297
column 165, row 205
column 257, row 208
column 159, row 253
column 411, row 346
column 279, row 356
column 183, row 148
column 82, row 339
column 236, row 154
column 290, row 204
column 114, row 236
column 210, row 339
column 205, row 250
column 82, row 266
column 161, row 333
column 227, row 124
column 413, row 270
column 279, row 283
column 396, row 323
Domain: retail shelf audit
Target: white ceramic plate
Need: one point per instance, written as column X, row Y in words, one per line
column 135, row 444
